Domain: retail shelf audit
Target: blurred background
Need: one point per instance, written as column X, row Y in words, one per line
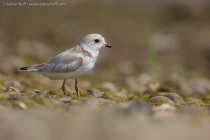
column 160, row 48
column 159, row 37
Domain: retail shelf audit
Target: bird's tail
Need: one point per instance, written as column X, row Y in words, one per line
column 35, row 68
column 25, row 69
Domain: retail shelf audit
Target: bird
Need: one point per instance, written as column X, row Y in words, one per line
column 72, row 63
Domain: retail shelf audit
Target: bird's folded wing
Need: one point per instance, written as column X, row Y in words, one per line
column 62, row 63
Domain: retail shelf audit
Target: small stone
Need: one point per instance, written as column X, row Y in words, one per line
column 157, row 100
column 175, row 98
column 56, row 102
column 74, row 101
column 16, row 93
column 154, row 86
column 191, row 101
column 12, row 89
column 95, row 92
column 131, row 96
column 15, row 84
column 19, row 105
column 113, row 96
column 44, row 93
column 122, row 95
column 30, row 91
column 16, row 96
column 108, row 86
column 65, row 99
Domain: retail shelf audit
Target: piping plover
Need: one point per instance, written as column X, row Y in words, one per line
column 72, row 63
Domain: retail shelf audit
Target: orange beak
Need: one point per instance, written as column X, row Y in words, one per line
column 107, row 45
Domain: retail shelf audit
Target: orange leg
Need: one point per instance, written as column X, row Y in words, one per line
column 63, row 86
column 76, row 87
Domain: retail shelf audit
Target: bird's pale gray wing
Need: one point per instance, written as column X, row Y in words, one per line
column 67, row 61
column 65, row 66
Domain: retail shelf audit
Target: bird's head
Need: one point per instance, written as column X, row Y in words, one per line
column 94, row 42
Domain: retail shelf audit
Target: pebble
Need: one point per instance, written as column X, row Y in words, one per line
column 44, row 93
column 95, row 92
column 108, row 85
column 15, row 84
column 16, row 93
column 131, row 96
column 154, row 86
column 113, row 96
column 19, row 105
column 65, row 99
column 122, row 95
column 192, row 100
column 30, row 91
column 160, row 99
column 56, row 102
column 12, row 89
column 175, row 98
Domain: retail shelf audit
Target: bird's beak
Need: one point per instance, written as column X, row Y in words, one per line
column 107, row 45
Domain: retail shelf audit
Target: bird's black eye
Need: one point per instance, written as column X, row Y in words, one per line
column 96, row 40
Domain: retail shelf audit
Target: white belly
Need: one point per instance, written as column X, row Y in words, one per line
column 86, row 66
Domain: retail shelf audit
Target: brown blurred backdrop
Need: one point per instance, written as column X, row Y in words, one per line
column 145, row 35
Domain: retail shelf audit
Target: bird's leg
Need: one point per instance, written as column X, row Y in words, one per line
column 76, row 87
column 63, row 86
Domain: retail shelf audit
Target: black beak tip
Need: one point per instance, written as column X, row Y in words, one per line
column 109, row 46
